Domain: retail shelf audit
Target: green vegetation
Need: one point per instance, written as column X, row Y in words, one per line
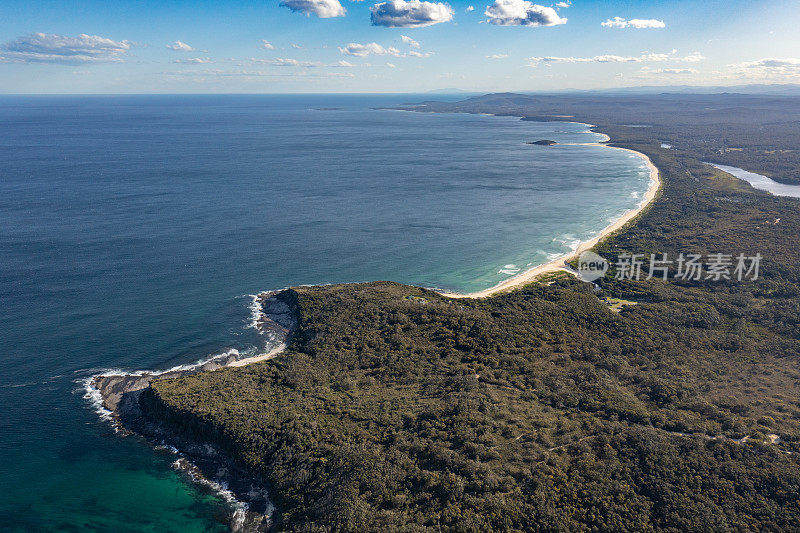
column 542, row 409
column 551, row 277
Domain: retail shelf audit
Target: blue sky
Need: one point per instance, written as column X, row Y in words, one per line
column 394, row 46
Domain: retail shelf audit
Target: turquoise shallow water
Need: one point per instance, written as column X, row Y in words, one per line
column 133, row 228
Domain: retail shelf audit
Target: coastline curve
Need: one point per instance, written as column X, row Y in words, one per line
column 559, row 264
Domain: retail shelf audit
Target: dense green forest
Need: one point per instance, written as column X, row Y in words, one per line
column 543, row 409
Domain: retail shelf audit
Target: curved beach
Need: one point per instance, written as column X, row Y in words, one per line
column 559, row 263
column 115, row 395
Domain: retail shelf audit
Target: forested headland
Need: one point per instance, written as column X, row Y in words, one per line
column 543, row 409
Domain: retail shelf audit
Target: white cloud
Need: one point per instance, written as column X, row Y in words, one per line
column 364, row 50
column 470, row 8
column 522, row 13
column 673, row 71
column 296, row 46
column 194, row 60
column 772, row 63
column 411, row 14
column 595, row 59
column 655, row 57
column 391, row 65
column 639, row 24
column 368, row 49
column 52, row 48
column 497, row 56
column 265, row 44
column 284, row 62
column 770, row 68
column 409, row 41
column 564, row 4
column 322, row 8
column 197, row 75
column 290, row 62
column 644, row 58
column 180, row 46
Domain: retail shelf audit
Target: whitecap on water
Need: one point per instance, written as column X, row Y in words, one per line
column 256, row 310
column 509, row 270
column 92, row 395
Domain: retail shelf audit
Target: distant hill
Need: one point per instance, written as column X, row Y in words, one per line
column 768, row 89
column 725, row 128
column 777, row 89
column 450, row 90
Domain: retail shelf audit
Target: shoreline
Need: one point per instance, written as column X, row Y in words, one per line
column 114, row 395
column 559, row 263
column 760, row 182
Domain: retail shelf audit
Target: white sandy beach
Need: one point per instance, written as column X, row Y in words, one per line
column 559, row 264
column 263, row 357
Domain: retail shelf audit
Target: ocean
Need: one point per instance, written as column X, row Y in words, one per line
column 133, row 230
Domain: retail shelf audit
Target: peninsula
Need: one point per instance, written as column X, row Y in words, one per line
column 533, row 405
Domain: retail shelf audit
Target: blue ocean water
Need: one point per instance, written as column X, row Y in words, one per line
column 132, row 229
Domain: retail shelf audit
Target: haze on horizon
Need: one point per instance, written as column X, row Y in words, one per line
column 317, row 46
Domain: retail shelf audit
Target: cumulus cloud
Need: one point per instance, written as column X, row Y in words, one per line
column 364, row 50
column 368, row 49
column 470, row 8
column 772, row 63
column 497, row 56
column 322, row 8
column 52, row 48
column 785, row 69
column 644, row 58
column 564, row 4
column 522, row 13
column 409, row 41
column 595, row 59
column 639, row 24
column 411, row 14
column 266, row 45
column 180, row 46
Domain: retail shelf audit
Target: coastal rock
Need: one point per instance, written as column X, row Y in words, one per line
column 542, row 142
column 276, row 322
column 126, row 397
